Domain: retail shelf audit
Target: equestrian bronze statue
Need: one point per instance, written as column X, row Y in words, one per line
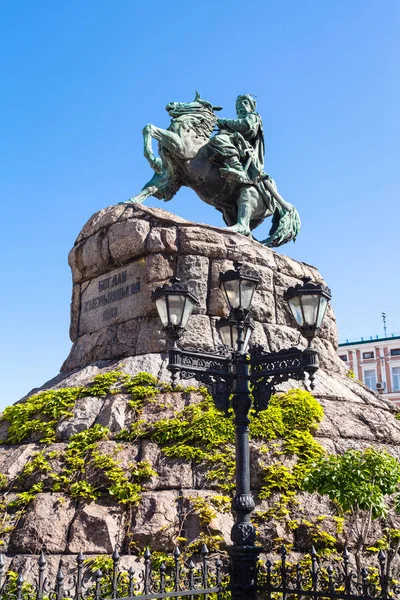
column 225, row 170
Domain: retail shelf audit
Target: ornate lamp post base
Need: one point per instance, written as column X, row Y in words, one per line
column 243, row 571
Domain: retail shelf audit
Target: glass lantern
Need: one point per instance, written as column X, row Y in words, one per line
column 228, row 332
column 308, row 303
column 238, row 286
column 175, row 304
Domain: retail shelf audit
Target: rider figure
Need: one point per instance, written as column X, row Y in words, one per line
column 239, row 144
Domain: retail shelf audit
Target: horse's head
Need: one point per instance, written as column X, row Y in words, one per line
column 197, row 106
column 197, row 115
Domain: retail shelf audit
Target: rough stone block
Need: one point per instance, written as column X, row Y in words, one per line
column 172, row 473
column 36, row 531
column 74, row 311
column 94, row 256
column 199, row 334
column 151, row 337
column 155, row 522
column 193, row 271
column 99, row 527
column 243, row 249
column 113, row 413
column 203, row 241
column 85, row 411
column 102, row 220
column 221, row 524
column 162, row 239
column 159, row 269
column 150, row 363
column 126, row 240
column 13, row 458
column 162, row 406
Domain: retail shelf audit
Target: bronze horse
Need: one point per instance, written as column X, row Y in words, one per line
column 184, row 160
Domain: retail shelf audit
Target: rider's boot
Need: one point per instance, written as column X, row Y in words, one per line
column 233, row 171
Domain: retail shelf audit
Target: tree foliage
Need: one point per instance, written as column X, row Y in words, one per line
column 356, row 480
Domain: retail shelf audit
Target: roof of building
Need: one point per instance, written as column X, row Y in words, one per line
column 368, row 340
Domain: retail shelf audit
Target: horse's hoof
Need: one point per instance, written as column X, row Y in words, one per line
column 239, row 229
column 130, row 201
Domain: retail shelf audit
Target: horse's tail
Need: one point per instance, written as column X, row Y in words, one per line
column 285, row 226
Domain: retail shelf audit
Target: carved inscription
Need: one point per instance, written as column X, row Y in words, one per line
column 113, row 295
column 113, row 298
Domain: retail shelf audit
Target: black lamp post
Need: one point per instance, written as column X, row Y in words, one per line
column 230, row 371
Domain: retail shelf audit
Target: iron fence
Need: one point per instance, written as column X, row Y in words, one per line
column 202, row 577
column 173, row 578
column 283, row 581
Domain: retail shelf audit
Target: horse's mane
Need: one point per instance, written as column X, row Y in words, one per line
column 203, row 121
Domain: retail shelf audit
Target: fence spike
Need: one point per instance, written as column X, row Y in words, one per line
column 60, row 576
column 59, row 581
column 381, row 556
column 269, row 564
column 191, row 565
column 115, row 555
column 163, row 569
column 313, row 552
column 346, row 554
column 41, row 565
column 131, row 573
column 204, row 550
column 79, row 574
column 42, row 560
column 20, row 583
column 177, row 552
column 147, row 569
column 283, row 551
column 115, row 558
column 218, row 567
column 98, row 575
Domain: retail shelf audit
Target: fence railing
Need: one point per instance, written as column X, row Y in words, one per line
column 201, row 577
column 173, row 578
column 281, row 581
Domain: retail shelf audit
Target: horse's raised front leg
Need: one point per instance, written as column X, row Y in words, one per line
column 149, row 189
column 167, row 139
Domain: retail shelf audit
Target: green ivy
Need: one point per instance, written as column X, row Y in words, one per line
column 101, row 384
column 199, row 432
column 39, row 414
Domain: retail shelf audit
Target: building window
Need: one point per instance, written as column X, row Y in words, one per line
column 343, row 357
column 370, row 378
column 395, row 352
column 368, row 354
column 396, row 379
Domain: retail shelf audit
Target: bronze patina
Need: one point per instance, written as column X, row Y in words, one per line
column 226, row 170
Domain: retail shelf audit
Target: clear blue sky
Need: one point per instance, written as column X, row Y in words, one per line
column 81, row 79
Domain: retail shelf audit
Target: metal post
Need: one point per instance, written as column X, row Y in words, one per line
column 243, row 554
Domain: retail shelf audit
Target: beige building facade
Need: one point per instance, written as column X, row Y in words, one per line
column 376, row 362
